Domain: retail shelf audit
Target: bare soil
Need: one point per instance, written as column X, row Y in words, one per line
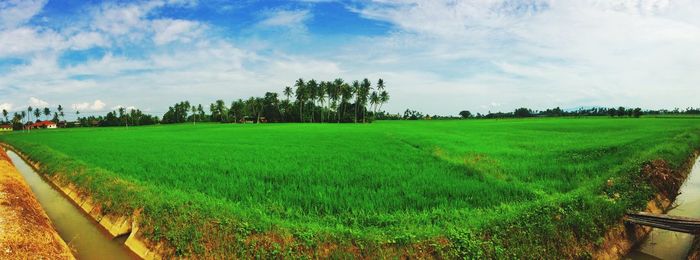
column 26, row 232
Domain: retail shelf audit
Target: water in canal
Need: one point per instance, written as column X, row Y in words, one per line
column 80, row 232
column 663, row 244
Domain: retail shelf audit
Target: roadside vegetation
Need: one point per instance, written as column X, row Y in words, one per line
column 455, row 188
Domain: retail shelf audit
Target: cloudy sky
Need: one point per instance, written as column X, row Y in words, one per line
column 436, row 56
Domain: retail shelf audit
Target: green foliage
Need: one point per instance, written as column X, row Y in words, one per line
column 522, row 188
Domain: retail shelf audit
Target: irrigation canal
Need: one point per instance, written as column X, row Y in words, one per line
column 80, row 232
column 664, row 244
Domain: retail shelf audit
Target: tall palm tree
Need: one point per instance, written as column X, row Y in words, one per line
column 288, row 92
column 37, row 113
column 312, row 91
column 28, row 115
column 23, row 115
column 321, row 95
column 358, row 96
column 380, row 85
column 4, row 114
column 374, row 102
column 383, row 99
column 334, row 93
column 47, row 112
column 194, row 115
column 365, row 88
column 300, row 95
column 60, row 112
column 346, row 92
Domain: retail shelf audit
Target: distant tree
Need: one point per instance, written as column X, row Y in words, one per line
column 37, row 113
column 637, row 112
column 522, row 112
column 47, row 112
column 4, row 114
column 194, row 115
column 621, row 111
column 374, row 102
column 300, row 92
column 23, row 115
column 28, row 116
column 60, row 112
column 465, row 114
column 55, row 118
column 358, row 96
column 612, row 112
column 365, row 89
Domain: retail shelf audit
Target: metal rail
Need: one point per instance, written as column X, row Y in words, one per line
column 667, row 222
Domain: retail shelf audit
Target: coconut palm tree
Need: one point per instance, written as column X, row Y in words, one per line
column 365, row 88
column 374, row 102
column 311, row 94
column 321, row 95
column 194, row 115
column 4, row 114
column 288, row 92
column 383, row 99
column 23, row 115
column 60, row 112
column 346, row 92
column 334, row 94
column 28, row 115
column 301, row 96
column 47, row 112
column 37, row 113
column 358, row 96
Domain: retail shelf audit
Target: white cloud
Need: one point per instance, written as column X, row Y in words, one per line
column 24, row 40
column 86, row 40
column 35, row 102
column 17, row 12
column 6, row 106
column 97, row 105
column 293, row 19
column 169, row 30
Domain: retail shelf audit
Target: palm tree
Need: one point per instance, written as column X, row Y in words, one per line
column 311, row 91
column 60, row 112
column 288, row 92
column 300, row 95
column 122, row 114
column 358, row 96
column 380, row 85
column 47, row 113
column 365, row 88
column 194, row 115
column 23, row 115
column 28, row 115
column 334, row 93
column 322, row 96
column 4, row 114
column 374, row 101
column 383, row 98
column 346, row 94
column 37, row 113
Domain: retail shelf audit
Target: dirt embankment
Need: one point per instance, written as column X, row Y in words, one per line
column 620, row 239
column 25, row 230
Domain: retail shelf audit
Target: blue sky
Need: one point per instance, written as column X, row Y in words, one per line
column 436, row 56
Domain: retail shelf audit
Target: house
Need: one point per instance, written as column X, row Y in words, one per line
column 5, row 128
column 45, row 125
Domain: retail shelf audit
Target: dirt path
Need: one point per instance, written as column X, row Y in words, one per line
column 25, row 230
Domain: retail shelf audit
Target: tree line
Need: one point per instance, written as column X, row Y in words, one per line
column 311, row 101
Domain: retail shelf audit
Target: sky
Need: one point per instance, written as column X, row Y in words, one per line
column 436, row 56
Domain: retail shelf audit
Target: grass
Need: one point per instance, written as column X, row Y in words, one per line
column 475, row 188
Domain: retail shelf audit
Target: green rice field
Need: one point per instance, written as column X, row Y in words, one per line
column 453, row 188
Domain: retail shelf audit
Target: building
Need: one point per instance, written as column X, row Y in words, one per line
column 5, row 128
column 44, row 125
